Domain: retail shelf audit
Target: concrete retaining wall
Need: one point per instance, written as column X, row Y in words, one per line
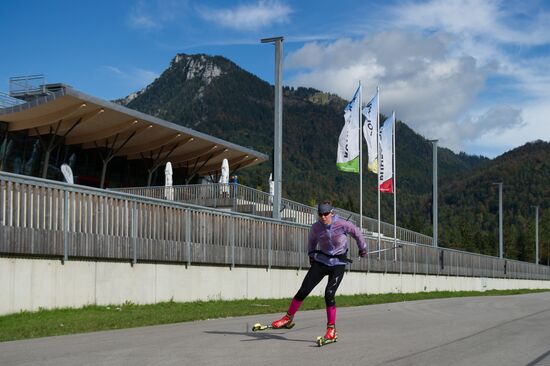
column 31, row 284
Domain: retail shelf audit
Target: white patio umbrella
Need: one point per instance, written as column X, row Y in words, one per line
column 224, row 178
column 168, row 189
column 271, row 188
column 67, row 173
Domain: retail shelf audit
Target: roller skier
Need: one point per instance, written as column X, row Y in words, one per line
column 327, row 251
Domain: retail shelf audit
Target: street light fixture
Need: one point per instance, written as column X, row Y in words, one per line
column 278, row 138
column 500, row 236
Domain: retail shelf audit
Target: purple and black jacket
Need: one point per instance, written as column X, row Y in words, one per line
column 332, row 240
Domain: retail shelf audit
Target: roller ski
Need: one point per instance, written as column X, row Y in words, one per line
column 286, row 322
column 330, row 337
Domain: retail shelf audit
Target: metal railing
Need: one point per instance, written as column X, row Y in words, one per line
column 41, row 218
column 241, row 198
column 26, row 85
column 7, row 101
column 231, row 196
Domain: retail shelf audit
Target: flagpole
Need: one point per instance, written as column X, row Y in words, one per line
column 394, row 181
column 360, row 157
column 378, row 160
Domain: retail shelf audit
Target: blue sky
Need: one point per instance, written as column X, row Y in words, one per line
column 472, row 73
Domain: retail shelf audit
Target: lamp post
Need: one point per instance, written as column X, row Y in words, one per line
column 278, row 138
column 434, row 199
column 536, row 234
column 500, row 236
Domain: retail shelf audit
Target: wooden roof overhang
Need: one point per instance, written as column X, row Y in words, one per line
column 95, row 123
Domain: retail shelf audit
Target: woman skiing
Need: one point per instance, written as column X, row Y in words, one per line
column 327, row 250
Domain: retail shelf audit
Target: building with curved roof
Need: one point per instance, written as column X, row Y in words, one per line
column 66, row 122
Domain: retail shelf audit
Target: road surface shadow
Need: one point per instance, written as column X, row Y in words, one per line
column 259, row 336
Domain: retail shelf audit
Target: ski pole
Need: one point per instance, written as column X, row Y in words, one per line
column 383, row 250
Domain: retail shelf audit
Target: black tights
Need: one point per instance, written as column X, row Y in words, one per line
column 315, row 275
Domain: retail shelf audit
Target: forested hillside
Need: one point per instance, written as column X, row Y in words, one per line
column 469, row 206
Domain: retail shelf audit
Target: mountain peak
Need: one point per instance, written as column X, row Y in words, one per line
column 199, row 66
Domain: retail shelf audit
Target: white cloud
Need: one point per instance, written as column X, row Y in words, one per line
column 141, row 18
column 134, row 77
column 250, row 16
column 429, row 88
column 492, row 19
column 495, row 119
column 486, row 128
column 497, row 34
column 452, row 70
column 143, row 77
column 152, row 15
column 115, row 70
column 529, row 127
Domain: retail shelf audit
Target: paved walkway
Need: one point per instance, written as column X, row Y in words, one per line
column 503, row 330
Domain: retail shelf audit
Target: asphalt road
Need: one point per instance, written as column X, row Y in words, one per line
column 503, row 330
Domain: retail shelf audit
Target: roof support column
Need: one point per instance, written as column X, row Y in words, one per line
column 104, row 171
column 5, row 146
column 111, row 152
column 53, row 143
column 158, row 162
column 48, row 147
column 196, row 167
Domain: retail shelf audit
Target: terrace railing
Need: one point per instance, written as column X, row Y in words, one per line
column 42, row 218
column 240, row 198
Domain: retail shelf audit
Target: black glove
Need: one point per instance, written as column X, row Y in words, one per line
column 362, row 252
column 311, row 260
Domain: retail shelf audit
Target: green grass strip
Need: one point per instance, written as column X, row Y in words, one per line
column 45, row 323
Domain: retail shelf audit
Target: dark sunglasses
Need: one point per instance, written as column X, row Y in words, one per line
column 324, row 214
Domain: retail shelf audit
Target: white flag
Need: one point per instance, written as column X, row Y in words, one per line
column 370, row 111
column 386, row 155
column 347, row 158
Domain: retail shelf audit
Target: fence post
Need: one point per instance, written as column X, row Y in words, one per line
column 217, row 190
column 232, row 241
column 254, row 202
column 349, row 246
column 188, row 235
column 269, row 254
column 368, row 256
column 479, row 272
column 414, row 259
column 385, row 255
column 300, row 251
column 2, row 202
column 401, row 261
column 134, row 231
column 66, row 226
column 233, row 190
column 427, row 262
